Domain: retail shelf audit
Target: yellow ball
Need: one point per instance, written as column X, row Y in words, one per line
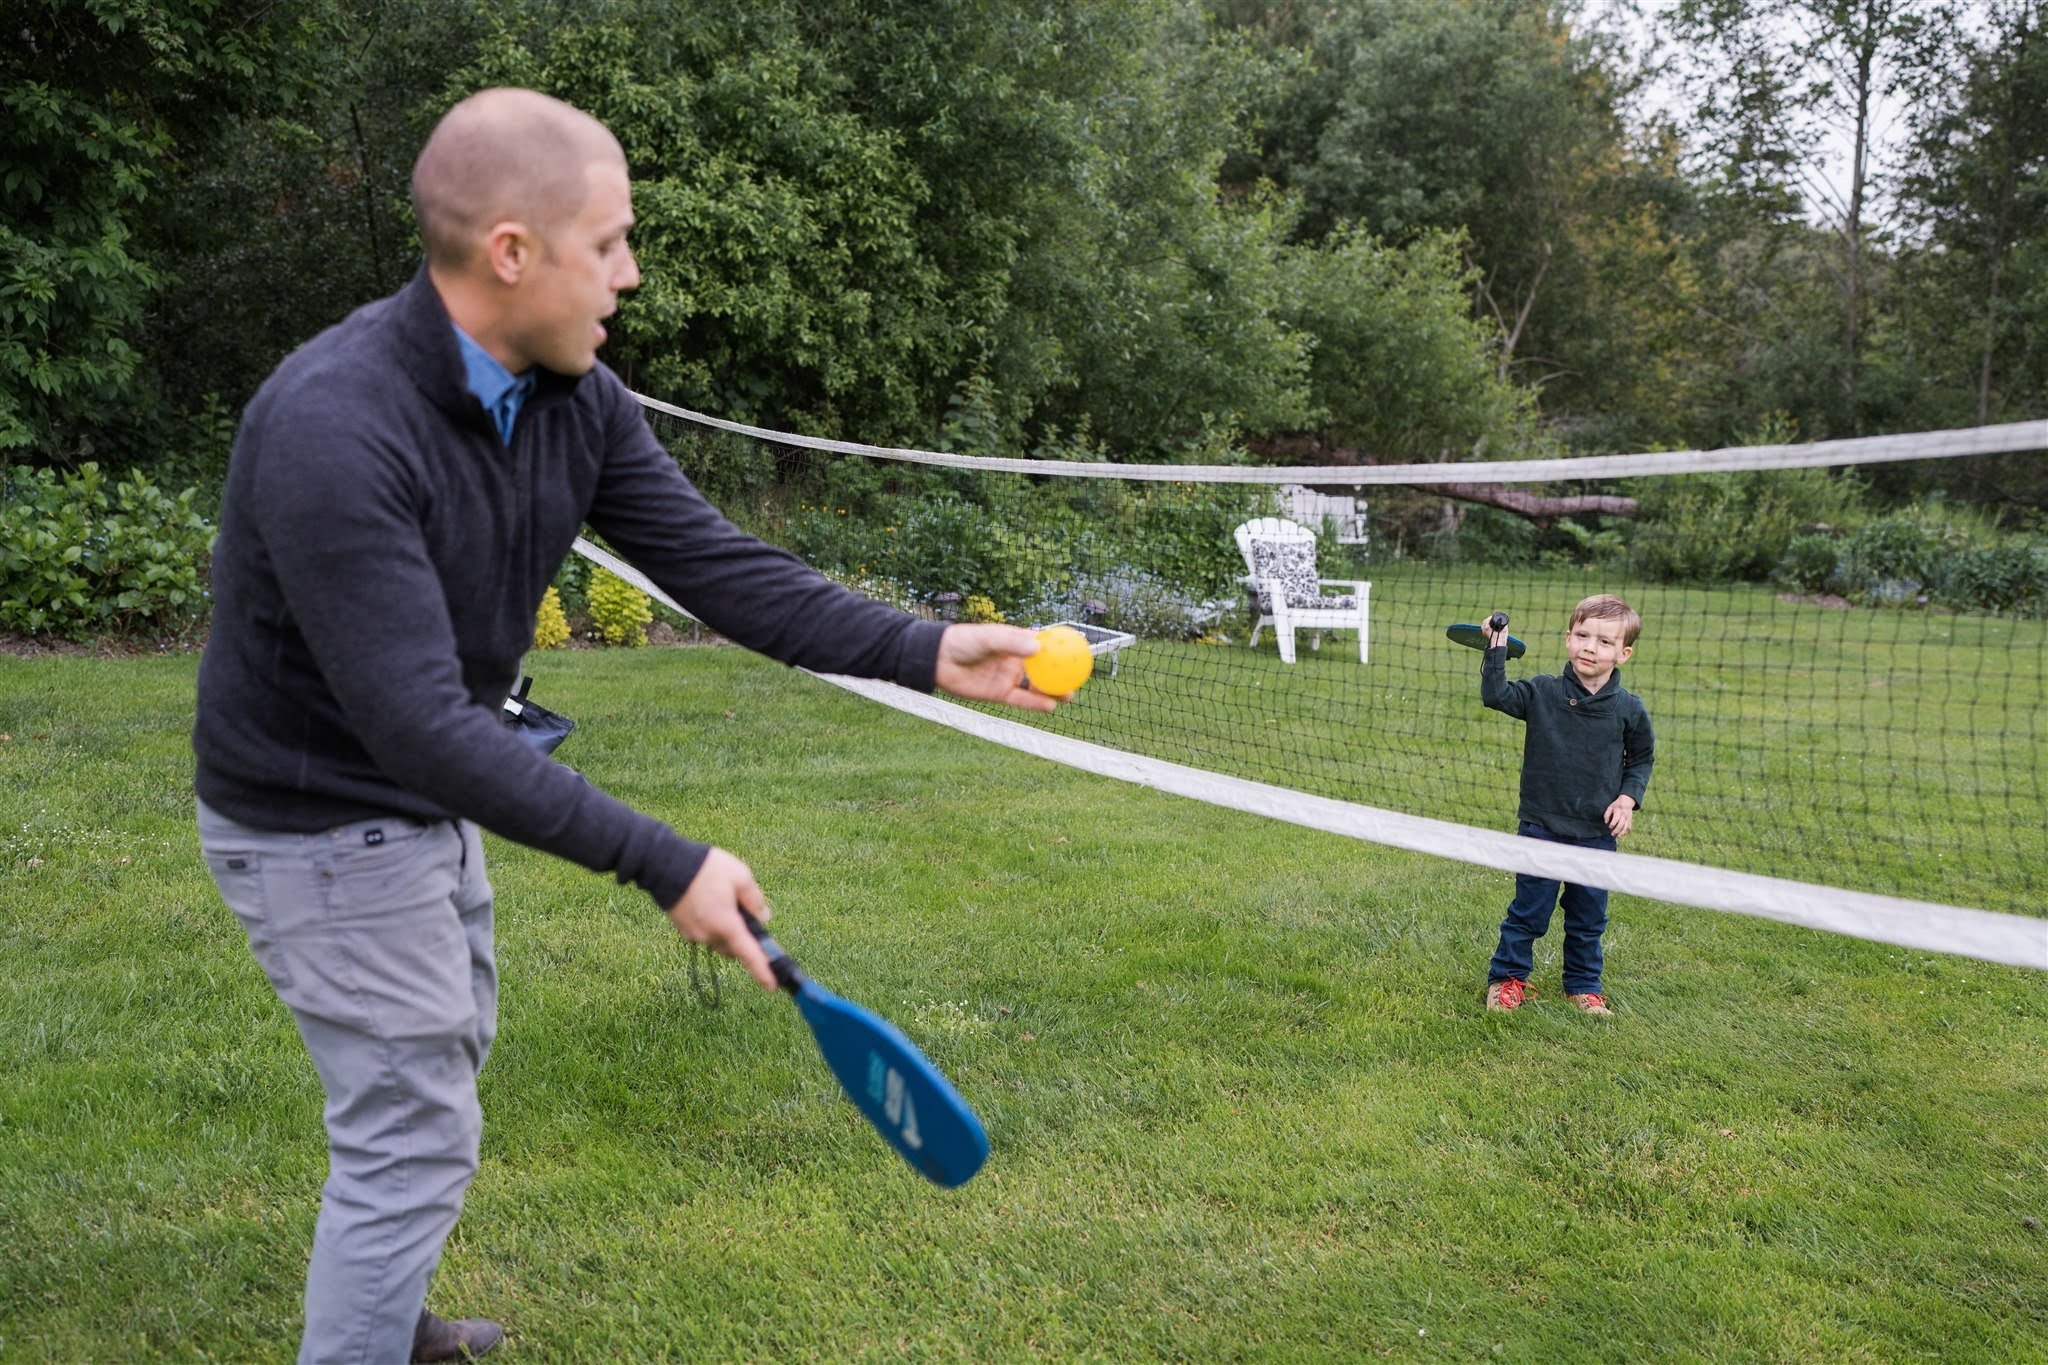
column 1062, row 662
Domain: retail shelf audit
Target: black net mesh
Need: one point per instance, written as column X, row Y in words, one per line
column 1884, row 741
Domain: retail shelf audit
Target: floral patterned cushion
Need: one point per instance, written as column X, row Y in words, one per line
column 1293, row 562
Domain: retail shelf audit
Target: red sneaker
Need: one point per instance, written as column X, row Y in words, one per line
column 1508, row 994
column 1590, row 1002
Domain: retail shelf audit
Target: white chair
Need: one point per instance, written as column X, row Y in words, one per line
column 1280, row 571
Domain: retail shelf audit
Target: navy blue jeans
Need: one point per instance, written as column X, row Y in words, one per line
column 1585, row 919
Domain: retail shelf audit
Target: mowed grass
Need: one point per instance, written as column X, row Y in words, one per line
column 1243, row 1101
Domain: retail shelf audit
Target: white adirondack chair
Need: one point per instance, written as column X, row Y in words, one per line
column 1280, row 571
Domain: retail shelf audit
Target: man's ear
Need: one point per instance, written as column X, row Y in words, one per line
column 509, row 251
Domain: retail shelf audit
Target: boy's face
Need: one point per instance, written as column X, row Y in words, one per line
column 1596, row 650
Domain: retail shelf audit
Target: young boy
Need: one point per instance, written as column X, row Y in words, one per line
column 1585, row 763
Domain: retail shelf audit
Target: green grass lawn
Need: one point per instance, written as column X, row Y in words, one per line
column 1243, row 1100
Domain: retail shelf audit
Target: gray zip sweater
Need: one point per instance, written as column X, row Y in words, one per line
column 1582, row 748
column 381, row 556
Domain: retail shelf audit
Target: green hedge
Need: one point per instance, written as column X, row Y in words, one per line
column 79, row 558
column 1016, row 541
column 1916, row 557
column 1732, row 527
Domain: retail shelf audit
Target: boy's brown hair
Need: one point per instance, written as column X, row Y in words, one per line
column 1607, row 607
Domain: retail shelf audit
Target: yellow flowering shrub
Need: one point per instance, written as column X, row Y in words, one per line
column 979, row 608
column 619, row 610
column 550, row 623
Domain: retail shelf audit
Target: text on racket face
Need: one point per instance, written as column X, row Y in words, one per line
column 886, row 1088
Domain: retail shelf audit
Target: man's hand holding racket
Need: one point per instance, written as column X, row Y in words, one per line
column 709, row 913
column 894, row 1085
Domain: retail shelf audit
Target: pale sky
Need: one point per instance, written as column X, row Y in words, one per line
column 1828, row 196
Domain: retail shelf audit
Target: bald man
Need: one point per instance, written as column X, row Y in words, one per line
column 401, row 493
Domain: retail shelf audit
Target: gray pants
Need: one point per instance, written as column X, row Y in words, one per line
column 377, row 936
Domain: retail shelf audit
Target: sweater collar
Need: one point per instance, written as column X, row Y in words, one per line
column 434, row 358
column 1613, row 683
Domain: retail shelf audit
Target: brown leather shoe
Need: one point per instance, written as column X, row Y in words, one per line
column 436, row 1338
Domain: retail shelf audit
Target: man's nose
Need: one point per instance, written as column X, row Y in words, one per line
column 629, row 276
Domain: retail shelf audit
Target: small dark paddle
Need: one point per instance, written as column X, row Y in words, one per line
column 1474, row 637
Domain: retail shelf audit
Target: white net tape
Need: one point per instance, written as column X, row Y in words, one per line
column 1941, row 445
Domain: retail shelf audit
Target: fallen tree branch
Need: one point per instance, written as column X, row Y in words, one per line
column 1537, row 507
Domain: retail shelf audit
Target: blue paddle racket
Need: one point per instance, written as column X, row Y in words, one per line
column 885, row 1076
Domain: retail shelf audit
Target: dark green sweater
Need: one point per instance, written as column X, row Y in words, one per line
column 1583, row 748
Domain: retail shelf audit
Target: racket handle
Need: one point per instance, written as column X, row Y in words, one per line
column 787, row 974
column 1499, row 620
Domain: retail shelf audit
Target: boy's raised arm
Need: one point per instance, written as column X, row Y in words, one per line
column 1494, row 688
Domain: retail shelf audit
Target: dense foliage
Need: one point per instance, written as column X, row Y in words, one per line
column 102, row 99
column 79, row 557
column 1924, row 555
column 1140, row 229
column 551, row 622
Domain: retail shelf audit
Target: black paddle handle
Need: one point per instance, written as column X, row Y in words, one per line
column 787, row 974
column 1499, row 620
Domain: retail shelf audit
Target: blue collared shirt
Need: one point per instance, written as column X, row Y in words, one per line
column 497, row 388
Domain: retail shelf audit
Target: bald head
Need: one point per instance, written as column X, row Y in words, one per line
column 504, row 155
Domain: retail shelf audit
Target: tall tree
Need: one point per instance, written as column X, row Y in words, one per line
column 855, row 216
column 1500, row 123
column 849, row 211
column 1977, row 193
column 1779, row 86
column 298, row 212
column 1968, row 332
column 101, row 99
